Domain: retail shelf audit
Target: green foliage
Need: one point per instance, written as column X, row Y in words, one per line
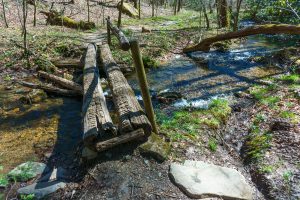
column 275, row 10
column 267, row 169
column 263, row 95
column 3, row 179
column 293, row 78
column 27, row 197
column 212, row 144
column 149, row 62
column 220, row 109
column 287, row 176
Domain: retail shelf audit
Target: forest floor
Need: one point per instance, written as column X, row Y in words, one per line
column 258, row 134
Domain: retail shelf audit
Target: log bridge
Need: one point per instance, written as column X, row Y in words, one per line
column 99, row 131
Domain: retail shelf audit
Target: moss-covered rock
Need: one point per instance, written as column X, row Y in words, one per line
column 128, row 9
column 155, row 147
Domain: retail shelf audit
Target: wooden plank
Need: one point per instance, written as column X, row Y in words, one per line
column 121, row 139
column 123, row 41
column 131, row 115
column 96, row 119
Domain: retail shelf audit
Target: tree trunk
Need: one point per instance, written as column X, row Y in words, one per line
column 4, row 15
column 61, row 81
column 139, row 9
column 135, row 4
column 205, row 15
column 68, row 63
column 131, row 115
column 34, row 12
column 223, row 13
column 175, row 6
column 88, row 9
column 153, row 7
column 96, row 118
column 26, row 55
column 120, row 15
column 204, row 45
column 179, row 6
column 236, row 16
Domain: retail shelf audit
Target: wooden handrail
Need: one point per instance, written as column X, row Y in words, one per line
column 123, row 41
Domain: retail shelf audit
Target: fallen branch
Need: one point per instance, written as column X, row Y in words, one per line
column 50, row 89
column 205, row 44
column 62, row 81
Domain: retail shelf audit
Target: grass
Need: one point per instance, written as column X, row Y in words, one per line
column 256, row 144
column 293, row 78
column 28, row 197
column 183, row 124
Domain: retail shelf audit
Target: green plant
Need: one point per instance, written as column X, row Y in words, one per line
column 212, row 144
column 287, row 175
column 256, row 144
column 27, row 197
column 267, row 169
column 293, row 78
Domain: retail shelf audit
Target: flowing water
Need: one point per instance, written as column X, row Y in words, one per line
column 224, row 74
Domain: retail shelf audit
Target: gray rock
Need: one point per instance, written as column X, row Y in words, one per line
column 200, row 180
column 88, row 153
column 41, row 189
column 27, row 171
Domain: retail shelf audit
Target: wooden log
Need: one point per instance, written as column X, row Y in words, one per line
column 205, row 44
column 50, row 88
column 131, row 115
column 121, row 139
column 55, row 18
column 61, row 81
column 68, row 63
column 123, row 41
column 96, row 119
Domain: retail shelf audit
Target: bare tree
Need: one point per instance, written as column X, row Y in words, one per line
column 4, row 15
column 88, row 9
column 34, row 12
column 24, row 31
column 236, row 15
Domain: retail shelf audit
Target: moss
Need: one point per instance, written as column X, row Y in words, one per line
column 212, row 144
column 291, row 79
column 156, row 147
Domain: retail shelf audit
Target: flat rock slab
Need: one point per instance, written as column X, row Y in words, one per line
column 41, row 189
column 198, row 179
column 27, row 171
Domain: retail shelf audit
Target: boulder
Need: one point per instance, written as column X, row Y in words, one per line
column 155, row 147
column 198, row 179
column 27, row 171
column 128, row 9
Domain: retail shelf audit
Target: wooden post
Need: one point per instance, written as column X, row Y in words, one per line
column 120, row 14
column 139, row 66
column 108, row 31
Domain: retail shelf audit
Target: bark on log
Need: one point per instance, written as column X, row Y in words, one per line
column 54, row 18
column 123, row 41
column 131, row 115
column 68, row 63
column 121, row 139
column 61, row 81
column 50, row 89
column 96, row 119
column 204, row 45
